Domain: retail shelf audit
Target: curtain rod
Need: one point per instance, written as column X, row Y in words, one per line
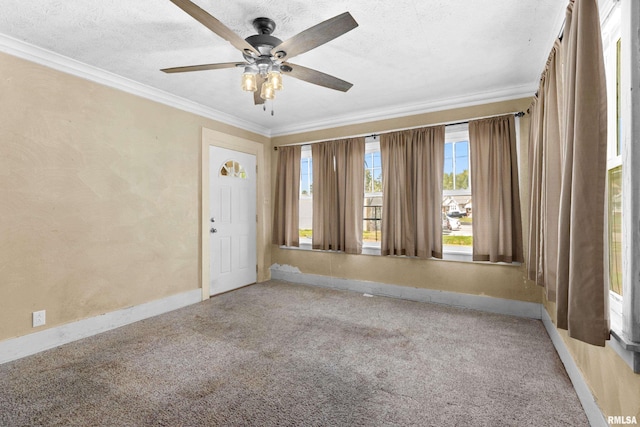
column 564, row 21
column 375, row 135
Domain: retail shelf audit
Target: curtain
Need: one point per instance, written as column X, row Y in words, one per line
column 412, row 171
column 544, row 169
column 581, row 285
column 497, row 227
column 338, row 195
column 287, row 197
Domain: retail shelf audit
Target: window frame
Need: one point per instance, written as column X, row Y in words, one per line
column 620, row 21
column 458, row 133
column 454, row 134
column 372, row 145
column 611, row 34
column 305, row 153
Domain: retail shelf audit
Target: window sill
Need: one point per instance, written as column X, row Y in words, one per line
column 306, row 246
column 451, row 253
column 457, row 253
column 629, row 351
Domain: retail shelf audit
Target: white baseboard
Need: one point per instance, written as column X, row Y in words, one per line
column 477, row 302
column 16, row 348
column 591, row 408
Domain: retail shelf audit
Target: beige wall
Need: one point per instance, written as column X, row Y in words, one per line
column 613, row 384
column 501, row 281
column 99, row 197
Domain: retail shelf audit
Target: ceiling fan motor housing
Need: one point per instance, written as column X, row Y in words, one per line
column 263, row 42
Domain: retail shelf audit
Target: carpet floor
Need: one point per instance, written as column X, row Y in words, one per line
column 283, row 354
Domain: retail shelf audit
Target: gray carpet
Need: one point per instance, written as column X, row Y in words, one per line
column 280, row 354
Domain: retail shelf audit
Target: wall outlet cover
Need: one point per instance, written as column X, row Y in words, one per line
column 39, row 318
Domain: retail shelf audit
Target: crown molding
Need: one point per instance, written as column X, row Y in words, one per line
column 67, row 65
column 515, row 92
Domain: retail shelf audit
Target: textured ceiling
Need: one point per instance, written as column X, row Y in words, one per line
column 405, row 56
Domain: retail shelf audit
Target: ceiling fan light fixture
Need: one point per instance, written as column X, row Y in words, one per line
column 249, row 81
column 267, row 92
column 275, row 80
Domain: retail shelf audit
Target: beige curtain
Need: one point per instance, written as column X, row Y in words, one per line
column 338, row 195
column 412, row 170
column 581, row 283
column 497, row 227
column 544, row 182
column 285, row 218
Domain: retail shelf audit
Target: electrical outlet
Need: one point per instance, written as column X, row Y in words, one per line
column 39, row 318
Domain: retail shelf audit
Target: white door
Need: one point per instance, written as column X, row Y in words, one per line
column 232, row 220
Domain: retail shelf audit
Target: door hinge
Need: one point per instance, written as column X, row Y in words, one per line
column 256, row 268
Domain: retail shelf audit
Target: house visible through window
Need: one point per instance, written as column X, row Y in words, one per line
column 457, row 206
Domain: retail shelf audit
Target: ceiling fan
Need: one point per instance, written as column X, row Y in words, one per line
column 266, row 57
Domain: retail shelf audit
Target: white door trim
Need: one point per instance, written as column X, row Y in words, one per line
column 263, row 205
column 233, row 205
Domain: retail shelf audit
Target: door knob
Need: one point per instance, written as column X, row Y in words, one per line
column 213, row 230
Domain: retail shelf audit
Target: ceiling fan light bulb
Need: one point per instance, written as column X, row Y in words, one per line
column 275, row 80
column 267, row 92
column 249, row 82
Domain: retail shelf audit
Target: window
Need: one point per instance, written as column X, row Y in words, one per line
column 234, row 169
column 611, row 45
column 614, row 174
column 457, row 204
column 614, row 211
column 618, row 40
column 306, row 195
column 457, row 207
column 372, row 215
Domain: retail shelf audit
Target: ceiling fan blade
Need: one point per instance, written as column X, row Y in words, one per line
column 257, row 100
column 315, row 36
column 214, row 25
column 202, row 67
column 315, row 77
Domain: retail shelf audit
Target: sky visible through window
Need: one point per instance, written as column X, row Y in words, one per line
column 456, row 165
column 306, row 176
